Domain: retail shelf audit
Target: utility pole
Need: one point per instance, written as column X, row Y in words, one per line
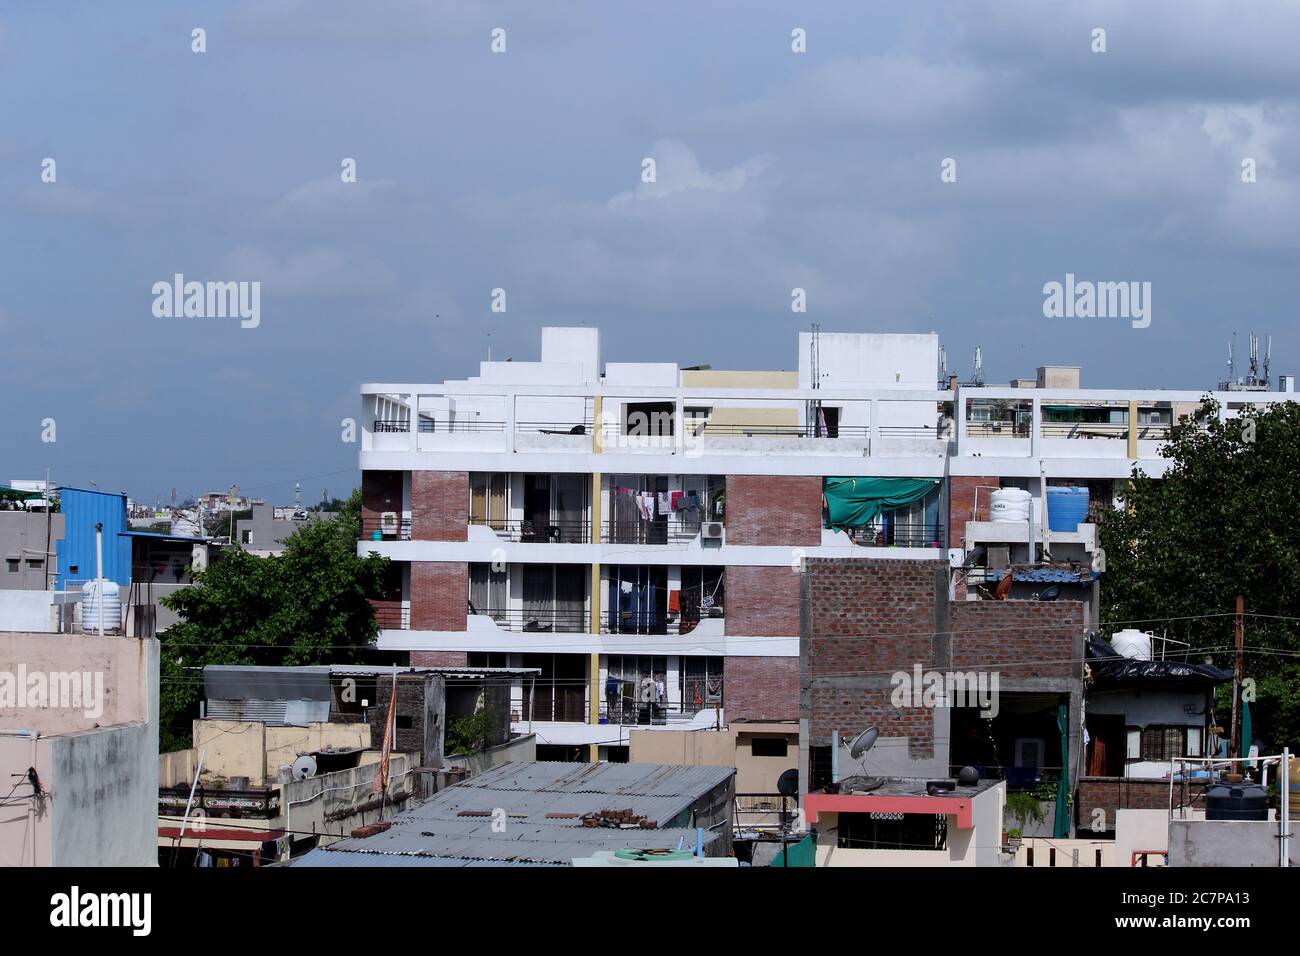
column 1239, row 636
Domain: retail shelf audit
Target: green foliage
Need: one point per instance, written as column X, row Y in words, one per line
column 1221, row 522
column 307, row 606
column 1026, row 808
column 468, row 734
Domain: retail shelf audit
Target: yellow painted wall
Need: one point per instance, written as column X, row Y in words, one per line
column 723, row 379
column 248, row 748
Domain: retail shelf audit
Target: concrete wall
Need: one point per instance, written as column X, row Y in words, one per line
column 250, row 748
column 1227, row 843
column 101, row 782
column 522, row 749
column 28, row 611
column 23, row 536
column 730, row 747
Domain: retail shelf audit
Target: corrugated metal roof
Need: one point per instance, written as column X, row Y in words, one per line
column 1053, row 575
column 527, row 792
column 518, row 844
column 329, row 857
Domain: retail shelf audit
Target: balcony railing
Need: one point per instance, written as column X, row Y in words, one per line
column 554, row 530
column 215, row 802
column 553, row 428
column 629, row 712
column 663, row 530
column 900, row 535
column 706, row 429
column 428, row 426
column 548, row 621
column 370, row 525
column 390, row 616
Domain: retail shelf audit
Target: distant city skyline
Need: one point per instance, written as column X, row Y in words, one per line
column 918, row 168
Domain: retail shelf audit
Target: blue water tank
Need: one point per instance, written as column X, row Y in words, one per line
column 1066, row 507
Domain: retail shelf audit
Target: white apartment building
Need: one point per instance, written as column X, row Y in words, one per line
column 635, row 530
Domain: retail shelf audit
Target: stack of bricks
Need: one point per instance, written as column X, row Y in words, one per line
column 624, row 819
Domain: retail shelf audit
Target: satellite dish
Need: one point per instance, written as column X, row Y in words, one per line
column 788, row 783
column 304, row 767
column 863, row 742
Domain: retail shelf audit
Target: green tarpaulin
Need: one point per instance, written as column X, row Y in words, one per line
column 13, row 494
column 1247, row 728
column 855, row 502
column 801, row 854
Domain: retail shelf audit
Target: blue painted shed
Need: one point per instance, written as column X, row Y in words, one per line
column 82, row 510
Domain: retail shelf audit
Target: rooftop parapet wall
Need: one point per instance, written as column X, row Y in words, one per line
column 72, row 683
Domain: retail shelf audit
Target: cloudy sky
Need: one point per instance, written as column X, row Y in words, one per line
column 521, row 170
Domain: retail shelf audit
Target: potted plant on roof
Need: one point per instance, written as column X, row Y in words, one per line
column 1024, row 808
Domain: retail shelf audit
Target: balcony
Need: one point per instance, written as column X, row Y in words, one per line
column 545, row 620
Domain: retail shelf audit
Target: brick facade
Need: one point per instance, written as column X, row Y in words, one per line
column 438, row 658
column 1021, row 639
column 762, row 602
column 868, row 619
column 439, row 505
column 761, row 688
column 1110, row 794
column 380, row 491
column 774, row 510
column 439, row 595
column 962, row 504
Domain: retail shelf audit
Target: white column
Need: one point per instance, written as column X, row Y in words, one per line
column 510, row 421
column 873, row 434
column 1035, row 427
column 413, row 424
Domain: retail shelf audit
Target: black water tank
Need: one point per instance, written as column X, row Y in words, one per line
column 1246, row 801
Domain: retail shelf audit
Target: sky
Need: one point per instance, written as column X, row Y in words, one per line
column 523, row 170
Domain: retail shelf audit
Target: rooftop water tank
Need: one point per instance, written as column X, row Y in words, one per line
column 92, row 607
column 1067, row 508
column 1242, row 801
column 1009, row 504
column 1132, row 643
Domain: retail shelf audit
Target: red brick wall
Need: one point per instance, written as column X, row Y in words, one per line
column 1019, row 638
column 439, row 595
column 761, row 688
column 870, row 618
column 762, row 602
column 380, row 491
column 870, row 615
column 774, row 509
column 961, row 504
column 1114, row 793
column 439, row 505
column 848, row 710
column 438, row 658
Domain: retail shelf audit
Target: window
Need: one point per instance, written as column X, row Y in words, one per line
column 13, row 564
column 893, row 831
column 487, row 499
column 1162, row 743
column 35, row 564
column 770, row 746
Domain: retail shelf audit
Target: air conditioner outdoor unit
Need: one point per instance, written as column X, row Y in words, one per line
column 712, row 531
column 1029, row 751
column 388, row 522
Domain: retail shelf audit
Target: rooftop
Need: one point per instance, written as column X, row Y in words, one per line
column 544, row 803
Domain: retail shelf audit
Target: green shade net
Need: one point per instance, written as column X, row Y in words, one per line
column 1061, row 825
column 1247, row 729
column 855, row 502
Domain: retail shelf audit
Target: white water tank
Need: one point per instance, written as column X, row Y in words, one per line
column 1009, row 504
column 91, row 607
column 1132, row 643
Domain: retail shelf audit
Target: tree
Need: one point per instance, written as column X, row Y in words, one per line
column 309, row 605
column 1221, row 522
